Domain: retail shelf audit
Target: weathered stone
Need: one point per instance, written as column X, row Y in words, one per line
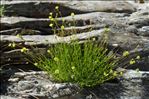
column 51, row 39
column 43, row 8
column 8, row 97
column 21, row 31
column 133, row 84
column 139, row 19
column 144, row 31
column 38, row 84
column 100, row 19
column 15, row 22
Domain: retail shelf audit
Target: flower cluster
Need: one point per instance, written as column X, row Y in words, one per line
column 24, row 49
column 13, row 45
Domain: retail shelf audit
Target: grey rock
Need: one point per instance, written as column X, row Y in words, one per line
column 43, row 8
column 100, row 19
column 38, row 84
column 132, row 29
column 144, row 31
column 132, row 85
column 51, row 39
column 130, row 39
column 139, row 18
column 9, row 97
column 21, row 31
column 16, row 22
column 104, row 6
column 130, row 42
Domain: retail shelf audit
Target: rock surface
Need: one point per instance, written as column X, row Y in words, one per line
column 129, row 30
column 133, row 84
column 31, row 8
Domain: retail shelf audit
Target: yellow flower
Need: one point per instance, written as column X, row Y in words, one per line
column 18, row 36
column 57, row 7
column 105, row 74
column 35, row 64
column 132, row 61
column 48, row 51
column 111, row 71
column 62, row 27
column 72, row 76
column 94, row 39
column 121, row 73
column 9, row 44
column 106, row 29
column 125, row 53
column 13, row 45
column 72, row 67
column 50, row 13
column 52, row 19
column 72, row 14
column 56, row 71
column 56, row 59
column 138, row 57
column 24, row 49
column 115, row 73
column 51, row 25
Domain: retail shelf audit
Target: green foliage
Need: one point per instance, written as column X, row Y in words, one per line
column 2, row 9
column 87, row 64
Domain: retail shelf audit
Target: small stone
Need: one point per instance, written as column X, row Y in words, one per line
column 13, row 79
column 144, row 31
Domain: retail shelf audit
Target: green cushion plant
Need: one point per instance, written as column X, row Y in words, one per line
column 87, row 64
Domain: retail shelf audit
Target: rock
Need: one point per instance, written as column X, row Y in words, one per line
column 139, row 6
column 139, row 18
column 16, row 22
column 136, row 84
column 21, row 31
column 7, row 97
column 51, row 39
column 100, row 19
column 144, row 31
column 133, row 84
column 38, row 84
column 84, row 23
column 43, row 8
column 104, row 6
column 129, row 87
column 48, row 31
column 130, row 42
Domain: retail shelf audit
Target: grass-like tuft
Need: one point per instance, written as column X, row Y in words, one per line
column 2, row 9
column 86, row 64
